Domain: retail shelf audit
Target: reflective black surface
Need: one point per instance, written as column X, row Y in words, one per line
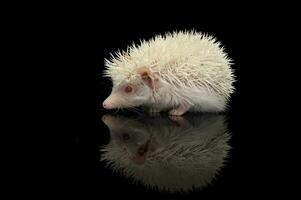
column 248, row 151
column 172, row 154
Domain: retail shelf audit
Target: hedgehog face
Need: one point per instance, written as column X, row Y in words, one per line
column 130, row 135
column 127, row 95
column 131, row 92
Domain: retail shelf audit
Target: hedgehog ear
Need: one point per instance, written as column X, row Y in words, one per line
column 147, row 77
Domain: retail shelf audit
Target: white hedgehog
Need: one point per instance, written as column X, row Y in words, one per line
column 179, row 71
column 171, row 154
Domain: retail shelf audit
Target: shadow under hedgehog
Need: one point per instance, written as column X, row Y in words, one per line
column 179, row 72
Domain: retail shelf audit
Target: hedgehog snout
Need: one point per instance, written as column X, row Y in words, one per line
column 104, row 104
column 107, row 104
column 112, row 101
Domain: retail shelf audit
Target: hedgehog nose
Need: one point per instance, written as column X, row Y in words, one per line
column 104, row 104
column 107, row 104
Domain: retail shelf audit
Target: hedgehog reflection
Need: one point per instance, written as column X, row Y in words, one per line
column 171, row 154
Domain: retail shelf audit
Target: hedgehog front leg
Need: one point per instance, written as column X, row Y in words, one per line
column 179, row 110
column 153, row 111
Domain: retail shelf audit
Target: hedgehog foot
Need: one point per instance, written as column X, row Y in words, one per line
column 153, row 112
column 180, row 120
column 179, row 110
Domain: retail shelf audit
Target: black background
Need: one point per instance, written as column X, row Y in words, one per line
column 60, row 90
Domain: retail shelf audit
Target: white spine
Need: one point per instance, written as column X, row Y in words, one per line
column 193, row 67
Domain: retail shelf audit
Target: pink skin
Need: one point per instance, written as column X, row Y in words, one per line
column 179, row 110
column 127, row 95
column 134, row 94
column 131, row 94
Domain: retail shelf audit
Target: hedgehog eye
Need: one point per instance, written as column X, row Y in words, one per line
column 128, row 89
column 125, row 136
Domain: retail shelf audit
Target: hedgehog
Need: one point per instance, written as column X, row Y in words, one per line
column 176, row 72
column 166, row 153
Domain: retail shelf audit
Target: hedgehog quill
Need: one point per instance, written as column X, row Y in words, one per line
column 176, row 72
